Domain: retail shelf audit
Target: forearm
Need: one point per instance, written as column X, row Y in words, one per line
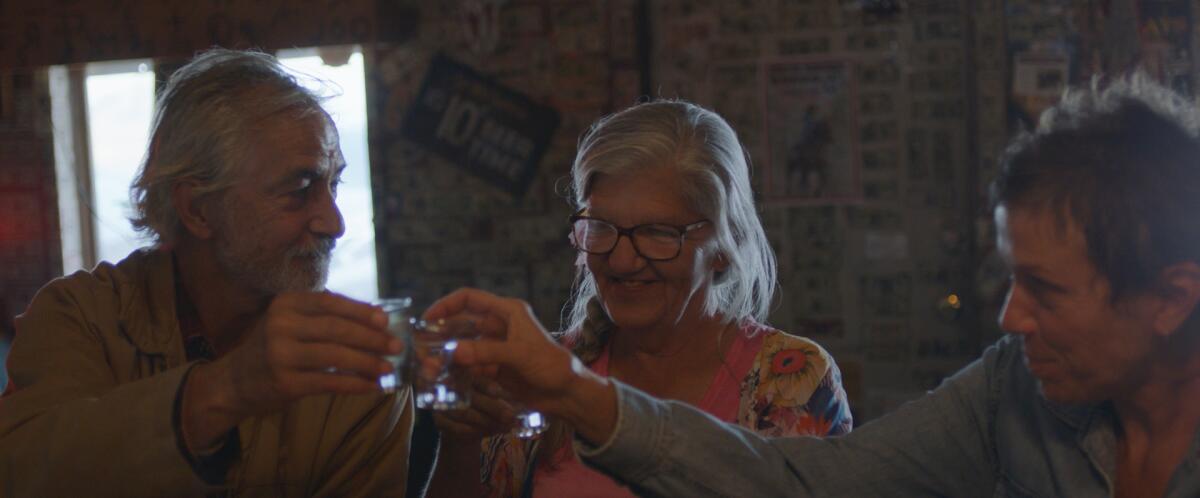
column 663, row 448
column 934, row 446
column 208, row 410
column 456, row 473
column 590, row 406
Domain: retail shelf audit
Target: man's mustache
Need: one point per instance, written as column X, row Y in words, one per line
column 322, row 249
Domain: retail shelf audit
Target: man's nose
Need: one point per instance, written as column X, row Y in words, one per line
column 1015, row 315
column 327, row 218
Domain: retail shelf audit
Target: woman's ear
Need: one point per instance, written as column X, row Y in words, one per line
column 192, row 213
column 720, row 263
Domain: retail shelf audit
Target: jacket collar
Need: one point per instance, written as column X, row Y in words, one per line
column 145, row 283
column 1074, row 415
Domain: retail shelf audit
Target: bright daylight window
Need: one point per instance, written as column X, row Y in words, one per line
column 119, row 102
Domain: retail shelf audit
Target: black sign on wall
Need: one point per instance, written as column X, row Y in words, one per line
column 470, row 120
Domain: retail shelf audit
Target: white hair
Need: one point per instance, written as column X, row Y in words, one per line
column 715, row 174
column 204, row 126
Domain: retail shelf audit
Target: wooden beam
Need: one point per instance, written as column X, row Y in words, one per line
column 36, row 34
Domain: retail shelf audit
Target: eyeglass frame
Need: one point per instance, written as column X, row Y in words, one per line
column 628, row 233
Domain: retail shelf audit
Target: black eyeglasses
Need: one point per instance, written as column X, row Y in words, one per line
column 653, row 241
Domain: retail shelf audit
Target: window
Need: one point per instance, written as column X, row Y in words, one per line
column 120, row 105
column 119, row 97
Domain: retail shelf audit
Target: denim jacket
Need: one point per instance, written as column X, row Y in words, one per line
column 985, row 432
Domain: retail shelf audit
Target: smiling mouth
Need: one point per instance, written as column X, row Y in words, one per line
column 629, row 283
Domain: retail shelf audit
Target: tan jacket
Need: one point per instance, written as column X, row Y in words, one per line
column 95, row 369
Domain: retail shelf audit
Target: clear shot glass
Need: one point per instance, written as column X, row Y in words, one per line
column 437, row 383
column 530, row 424
column 398, row 326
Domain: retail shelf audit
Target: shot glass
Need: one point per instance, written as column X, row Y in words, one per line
column 437, row 384
column 530, row 424
column 398, row 326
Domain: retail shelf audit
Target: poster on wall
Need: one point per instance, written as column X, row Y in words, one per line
column 1039, row 78
column 489, row 130
column 1165, row 36
column 810, row 114
column 1052, row 44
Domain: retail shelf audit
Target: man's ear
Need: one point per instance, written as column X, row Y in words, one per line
column 193, row 214
column 1178, row 293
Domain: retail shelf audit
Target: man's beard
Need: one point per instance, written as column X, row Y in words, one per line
column 255, row 268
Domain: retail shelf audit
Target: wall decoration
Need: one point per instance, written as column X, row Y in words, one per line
column 487, row 129
column 810, row 110
column 1039, row 79
column 1165, row 37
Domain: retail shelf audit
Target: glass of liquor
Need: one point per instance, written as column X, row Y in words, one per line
column 530, row 424
column 437, row 383
column 398, row 326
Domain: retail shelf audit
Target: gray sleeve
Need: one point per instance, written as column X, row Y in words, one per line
column 938, row 445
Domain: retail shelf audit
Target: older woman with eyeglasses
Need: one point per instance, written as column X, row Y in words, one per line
column 675, row 280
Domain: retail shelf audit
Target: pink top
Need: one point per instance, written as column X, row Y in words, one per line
column 573, row 478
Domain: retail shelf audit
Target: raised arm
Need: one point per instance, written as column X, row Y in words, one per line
column 940, row 445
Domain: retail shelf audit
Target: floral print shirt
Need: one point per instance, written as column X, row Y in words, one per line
column 791, row 387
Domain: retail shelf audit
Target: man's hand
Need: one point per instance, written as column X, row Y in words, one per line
column 305, row 344
column 530, row 364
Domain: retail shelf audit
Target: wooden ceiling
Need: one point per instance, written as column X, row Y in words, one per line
column 34, row 33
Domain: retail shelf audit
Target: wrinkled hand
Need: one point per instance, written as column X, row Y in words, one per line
column 306, row 343
column 311, row 343
column 488, row 415
column 526, row 361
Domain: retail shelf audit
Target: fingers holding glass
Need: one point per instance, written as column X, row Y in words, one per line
column 488, row 415
column 437, row 383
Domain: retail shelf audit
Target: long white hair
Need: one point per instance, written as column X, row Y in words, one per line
column 705, row 152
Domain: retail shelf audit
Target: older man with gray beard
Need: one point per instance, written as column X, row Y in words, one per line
column 213, row 361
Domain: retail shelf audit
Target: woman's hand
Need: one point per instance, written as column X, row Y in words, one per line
column 524, row 358
column 528, row 363
column 488, row 415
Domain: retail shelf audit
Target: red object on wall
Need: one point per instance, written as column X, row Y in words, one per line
column 30, row 246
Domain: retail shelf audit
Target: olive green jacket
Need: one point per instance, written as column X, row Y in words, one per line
column 95, row 370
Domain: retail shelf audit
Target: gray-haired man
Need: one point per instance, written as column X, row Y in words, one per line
column 213, row 361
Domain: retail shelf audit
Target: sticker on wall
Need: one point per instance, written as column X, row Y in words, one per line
column 487, row 129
